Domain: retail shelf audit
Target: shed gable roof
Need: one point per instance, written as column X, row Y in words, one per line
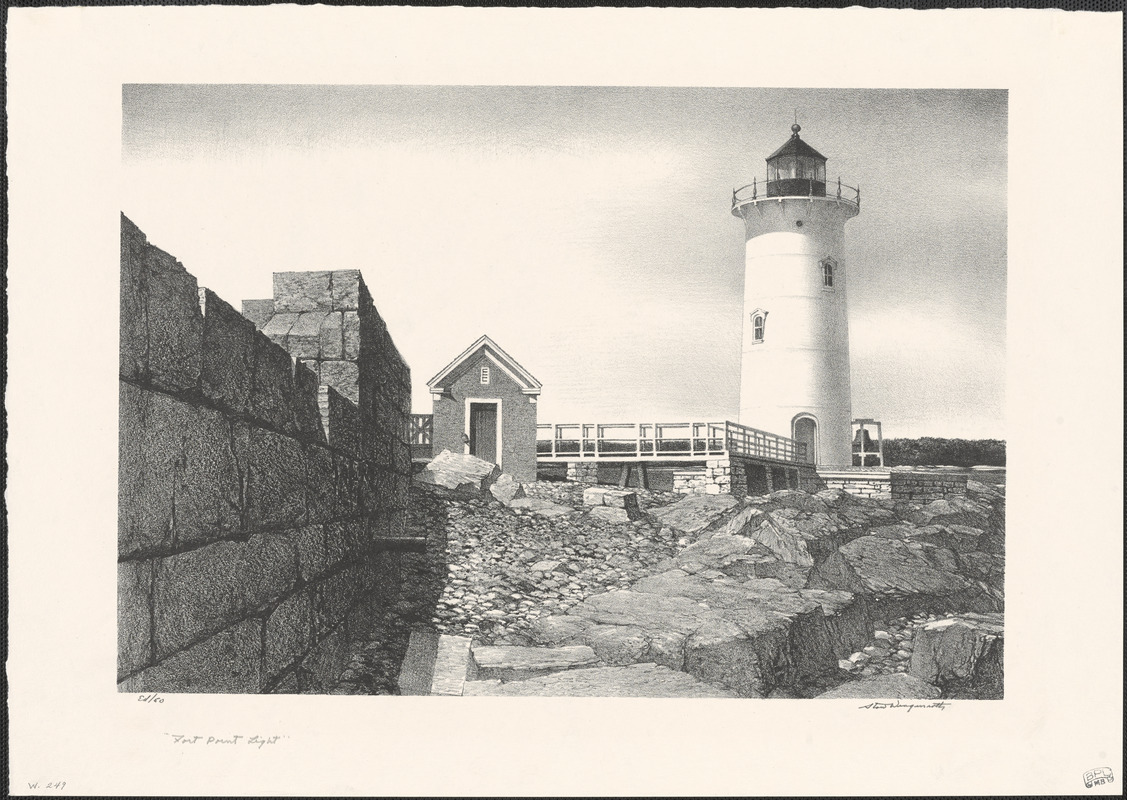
column 528, row 384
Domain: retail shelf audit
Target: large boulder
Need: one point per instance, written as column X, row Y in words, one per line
column 750, row 637
column 461, row 473
column 694, row 513
column 910, row 575
column 637, row 680
column 798, row 536
column 963, row 655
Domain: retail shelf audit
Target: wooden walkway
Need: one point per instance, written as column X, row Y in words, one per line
column 640, row 441
column 662, row 441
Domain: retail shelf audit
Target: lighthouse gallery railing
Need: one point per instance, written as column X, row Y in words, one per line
column 757, row 190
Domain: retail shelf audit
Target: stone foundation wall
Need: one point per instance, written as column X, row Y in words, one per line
column 861, row 484
column 731, row 476
column 583, row 471
column 254, row 495
column 923, row 487
column 714, row 478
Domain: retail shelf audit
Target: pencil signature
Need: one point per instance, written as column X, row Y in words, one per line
column 907, row 706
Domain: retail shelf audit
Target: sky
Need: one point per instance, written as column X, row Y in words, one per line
column 587, row 230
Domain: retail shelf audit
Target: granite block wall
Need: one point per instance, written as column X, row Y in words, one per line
column 923, row 487
column 259, row 480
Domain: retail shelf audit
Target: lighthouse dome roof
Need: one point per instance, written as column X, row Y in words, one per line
column 796, row 147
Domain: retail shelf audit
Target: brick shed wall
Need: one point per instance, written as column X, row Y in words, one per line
column 252, row 496
column 517, row 420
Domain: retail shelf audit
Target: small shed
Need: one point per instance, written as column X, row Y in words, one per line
column 485, row 405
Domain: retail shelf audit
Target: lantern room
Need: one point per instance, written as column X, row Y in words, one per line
column 796, row 168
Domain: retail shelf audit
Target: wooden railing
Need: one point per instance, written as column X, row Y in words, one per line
column 745, row 441
column 657, row 440
column 422, row 428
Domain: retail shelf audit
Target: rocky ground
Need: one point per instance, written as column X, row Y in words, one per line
column 789, row 595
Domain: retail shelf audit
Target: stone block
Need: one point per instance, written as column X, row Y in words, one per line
column 347, row 287
column 208, row 495
column 289, row 684
column 133, row 360
column 204, row 590
column 145, row 483
column 344, row 376
column 313, row 559
column 594, row 496
column 229, row 662
column 520, row 663
column 331, row 336
column 276, row 472
column 307, row 414
column 278, row 328
column 289, row 632
column 175, row 323
column 303, row 291
column 227, row 354
column 326, row 661
column 453, row 666
column 320, row 484
column 416, row 672
column 350, row 336
column 178, row 479
column 272, row 400
column 258, row 311
column 134, row 616
column 304, row 338
column 363, row 617
column 340, row 419
column 332, row 599
column 346, row 540
column 347, row 485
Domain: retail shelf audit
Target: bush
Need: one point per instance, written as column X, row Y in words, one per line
column 952, row 452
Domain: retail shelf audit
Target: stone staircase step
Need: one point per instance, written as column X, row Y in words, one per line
column 436, row 665
column 522, row 663
column 636, row 680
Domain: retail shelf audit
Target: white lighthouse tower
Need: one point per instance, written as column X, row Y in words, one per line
column 795, row 366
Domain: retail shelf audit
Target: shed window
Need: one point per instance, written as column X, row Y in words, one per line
column 757, row 328
column 485, row 374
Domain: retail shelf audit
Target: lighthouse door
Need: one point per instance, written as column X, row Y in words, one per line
column 806, row 431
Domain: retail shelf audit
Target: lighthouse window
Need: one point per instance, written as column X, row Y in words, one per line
column 757, row 328
column 828, row 266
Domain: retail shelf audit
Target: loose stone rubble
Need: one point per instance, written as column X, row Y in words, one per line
column 788, row 595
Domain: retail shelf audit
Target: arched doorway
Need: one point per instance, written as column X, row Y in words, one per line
column 805, row 430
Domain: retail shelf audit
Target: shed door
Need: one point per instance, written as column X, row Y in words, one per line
column 483, row 431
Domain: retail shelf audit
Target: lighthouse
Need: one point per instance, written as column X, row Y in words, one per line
column 795, row 358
